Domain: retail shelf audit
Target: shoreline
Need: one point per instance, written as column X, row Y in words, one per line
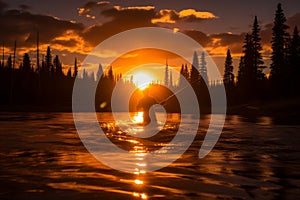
column 286, row 111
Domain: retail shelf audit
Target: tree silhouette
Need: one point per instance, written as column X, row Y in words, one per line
column 9, row 62
column 182, row 77
column 249, row 75
column 203, row 68
column 26, row 64
column 99, row 72
column 257, row 48
column 294, row 62
column 57, row 65
column 85, row 75
column 48, row 60
column 171, row 79
column 75, row 68
column 166, row 74
column 228, row 70
column 194, row 74
column 69, row 73
column 241, row 72
column 279, row 47
column 110, row 74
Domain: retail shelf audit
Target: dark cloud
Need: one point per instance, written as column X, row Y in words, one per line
column 121, row 20
column 90, row 6
column 24, row 7
column 22, row 26
column 227, row 39
column 3, row 6
column 65, row 43
column 294, row 21
column 202, row 38
column 215, row 41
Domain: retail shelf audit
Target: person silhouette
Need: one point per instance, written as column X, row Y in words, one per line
column 145, row 103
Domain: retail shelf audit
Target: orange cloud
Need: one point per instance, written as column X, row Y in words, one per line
column 134, row 8
column 89, row 6
column 188, row 15
column 166, row 16
column 197, row 14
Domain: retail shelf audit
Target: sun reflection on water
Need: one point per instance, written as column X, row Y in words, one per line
column 140, row 195
column 138, row 118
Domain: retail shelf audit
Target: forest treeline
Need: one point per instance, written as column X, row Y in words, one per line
column 47, row 85
column 251, row 83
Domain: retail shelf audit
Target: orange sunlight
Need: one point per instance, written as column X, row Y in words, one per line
column 142, row 80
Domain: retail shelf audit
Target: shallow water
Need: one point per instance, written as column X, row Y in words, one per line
column 41, row 156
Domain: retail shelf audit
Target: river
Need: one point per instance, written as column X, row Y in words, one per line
column 42, row 157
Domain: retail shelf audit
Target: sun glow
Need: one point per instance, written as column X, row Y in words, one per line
column 142, row 80
column 138, row 117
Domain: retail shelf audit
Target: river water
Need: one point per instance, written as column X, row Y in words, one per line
column 42, row 157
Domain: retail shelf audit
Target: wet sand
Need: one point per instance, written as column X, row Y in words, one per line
column 42, row 157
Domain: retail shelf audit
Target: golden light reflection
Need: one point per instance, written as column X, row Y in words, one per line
column 138, row 182
column 141, row 164
column 141, row 195
column 138, row 117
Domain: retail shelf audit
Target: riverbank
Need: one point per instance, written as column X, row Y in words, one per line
column 284, row 111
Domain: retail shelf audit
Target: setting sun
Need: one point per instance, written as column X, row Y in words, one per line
column 142, row 80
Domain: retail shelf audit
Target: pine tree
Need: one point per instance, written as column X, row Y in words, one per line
column 279, row 47
column 110, row 74
column 257, row 48
column 171, row 79
column 186, row 72
column 203, row 68
column 241, row 72
column 3, row 62
column 182, row 76
column 26, row 64
column 92, row 76
column 228, row 73
column 166, row 74
column 99, row 72
column 69, row 73
column 195, row 75
column 250, row 70
column 85, row 75
column 48, row 60
column 75, row 68
column 9, row 62
column 294, row 60
column 57, row 65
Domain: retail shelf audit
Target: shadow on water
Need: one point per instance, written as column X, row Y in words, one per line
column 43, row 157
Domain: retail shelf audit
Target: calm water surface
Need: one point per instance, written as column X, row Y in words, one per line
column 42, row 157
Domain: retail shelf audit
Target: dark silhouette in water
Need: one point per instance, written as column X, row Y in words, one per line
column 145, row 103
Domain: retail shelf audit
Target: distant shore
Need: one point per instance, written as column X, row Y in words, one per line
column 285, row 111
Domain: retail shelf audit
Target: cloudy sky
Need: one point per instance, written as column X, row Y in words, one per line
column 74, row 28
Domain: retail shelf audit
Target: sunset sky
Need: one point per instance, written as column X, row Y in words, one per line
column 74, row 28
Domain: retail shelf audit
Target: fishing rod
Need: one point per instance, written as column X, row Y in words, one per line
column 177, row 92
